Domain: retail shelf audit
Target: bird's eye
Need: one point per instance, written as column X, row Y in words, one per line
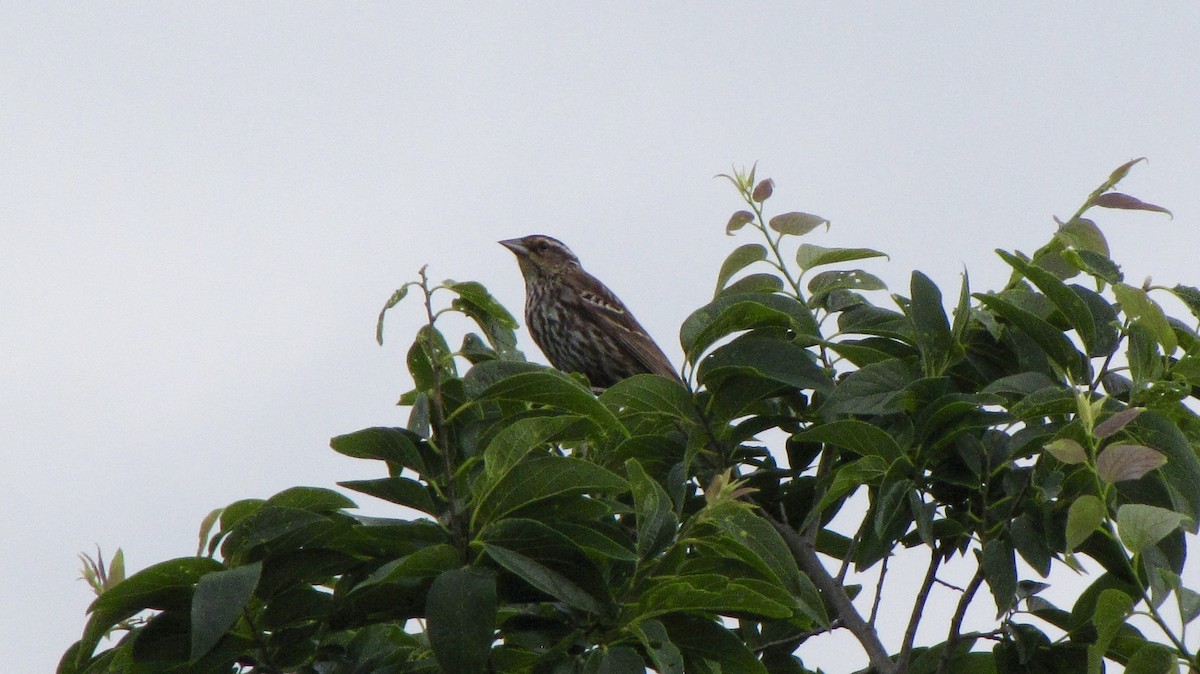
column 543, row 247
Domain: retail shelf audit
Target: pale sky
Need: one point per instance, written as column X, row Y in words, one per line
column 204, row 205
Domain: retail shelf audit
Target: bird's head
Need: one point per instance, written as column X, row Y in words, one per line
column 541, row 255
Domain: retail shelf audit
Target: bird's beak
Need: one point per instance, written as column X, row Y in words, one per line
column 516, row 246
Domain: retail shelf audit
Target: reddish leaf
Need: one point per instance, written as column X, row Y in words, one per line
column 1127, row 462
column 1119, row 173
column 1116, row 422
column 763, row 190
column 738, row 220
column 797, row 224
column 1126, row 202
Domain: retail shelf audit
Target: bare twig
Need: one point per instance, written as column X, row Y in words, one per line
column 910, row 634
column 960, row 612
column 878, row 591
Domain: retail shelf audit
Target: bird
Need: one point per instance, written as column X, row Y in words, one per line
column 577, row 322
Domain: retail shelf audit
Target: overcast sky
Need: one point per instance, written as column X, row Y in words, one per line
column 204, row 205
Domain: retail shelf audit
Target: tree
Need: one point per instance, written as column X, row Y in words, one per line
column 689, row 527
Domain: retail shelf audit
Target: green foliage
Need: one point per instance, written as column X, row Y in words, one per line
column 675, row 526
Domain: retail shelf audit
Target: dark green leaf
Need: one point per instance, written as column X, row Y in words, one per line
column 776, row 360
column 542, row 478
column 218, row 602
column 1049, row 338
column 757, row 283
column 554, row 389
column 423, row 563
column 1067, row 301
column 461, row 612
column 713, row 593
column 656, row 522
column 702, row 641
column 857, row 436
column 931, row 327
column 1112, row 608
column 1082, row 234
column 650, row 394
column 474, row 292
column 1000, row 570
column 664, row 655
column 545, row 579
column 729, row 314
column 512, row 444
column 400, row 490
column 1152, row 659
column 398, row 295
column 395, row 445
column 166, row 585
column 314, row 499
column 1190, row 297
column 877, row 388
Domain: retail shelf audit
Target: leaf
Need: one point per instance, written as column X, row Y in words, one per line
column 555, row 389
column 1136, row 304
column 1190, row 297
column 712, row 593
column 1118, row 463
column 461, row 613
column 1000, row 570
column 218, row 602
column 515, row 441
column 614, row 660
column 656, row 521
column 650, row 394
column 743, row 256
column 1152, row 659
column 931, row 327
column 164, row 585
column 1083, row 517
column 1083, row 235
column 772, row 359
column 1112, row 608
column 767, row 552
column 702, row 640
column 876, row 388
column 1067, row 450
column 854, row 279
column 854, row 435
column 398, row 295
column 738, row 220
column 735, row 313
column 394, row 445
column 664, row 654
column 1142, row 526
column 1065, row 300
column 423, row 563
column 313, row 499
column 1189, row 604
column 399, row 490
column 1126, row 202
column 1182, row 471
column 759, row 283
column 539, row 479
column 811, row 255
column 763, row 190
column 545, row 579
column 1056, row 345
column 797, row 224
column 478, row 295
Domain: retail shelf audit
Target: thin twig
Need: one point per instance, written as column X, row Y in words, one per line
column 878, row 591
column 960, row 612
column 910, row 634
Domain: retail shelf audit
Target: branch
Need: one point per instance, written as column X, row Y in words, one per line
column 806, row 556
column 910, row 634
column 955, row 634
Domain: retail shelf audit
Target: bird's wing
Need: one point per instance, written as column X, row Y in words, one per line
column 631, row 335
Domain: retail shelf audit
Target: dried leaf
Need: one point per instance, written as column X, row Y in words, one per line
column 1126, row 202
column 1118, row 463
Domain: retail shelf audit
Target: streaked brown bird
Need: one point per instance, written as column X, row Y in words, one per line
column 579, row 323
